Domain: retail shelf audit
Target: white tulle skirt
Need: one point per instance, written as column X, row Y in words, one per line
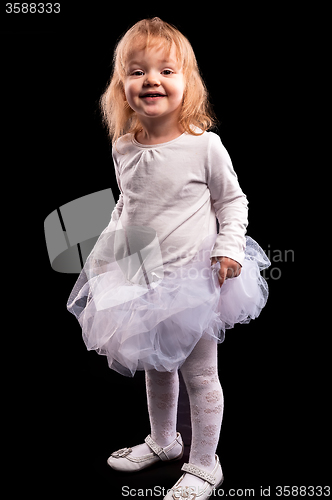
column 150, row 316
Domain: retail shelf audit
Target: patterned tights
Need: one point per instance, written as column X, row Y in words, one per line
column 200, row 375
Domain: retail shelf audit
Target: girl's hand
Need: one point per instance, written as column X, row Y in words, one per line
column 229, row 268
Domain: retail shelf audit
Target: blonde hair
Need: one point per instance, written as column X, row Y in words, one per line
column 196, row 110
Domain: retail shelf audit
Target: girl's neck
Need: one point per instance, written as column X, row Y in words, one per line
column 158, row 131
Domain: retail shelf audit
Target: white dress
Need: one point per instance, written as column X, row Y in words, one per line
column 147, row 292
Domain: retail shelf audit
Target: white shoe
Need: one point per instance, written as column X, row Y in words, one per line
column 212, row 480
column 124, row 461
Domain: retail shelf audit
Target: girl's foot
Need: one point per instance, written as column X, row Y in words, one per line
column 139, row 457
column 196, row 483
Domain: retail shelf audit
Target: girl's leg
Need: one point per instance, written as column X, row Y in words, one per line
column 200, row 373
column 162, row 390
column 162, row 393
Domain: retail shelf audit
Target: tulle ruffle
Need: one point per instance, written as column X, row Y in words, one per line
column 143, row 315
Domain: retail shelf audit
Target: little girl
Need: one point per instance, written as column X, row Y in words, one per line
column 161, row 285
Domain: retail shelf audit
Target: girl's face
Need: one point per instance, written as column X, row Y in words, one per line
column 154, row 84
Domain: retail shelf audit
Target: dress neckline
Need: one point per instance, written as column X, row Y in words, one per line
column 150, row 146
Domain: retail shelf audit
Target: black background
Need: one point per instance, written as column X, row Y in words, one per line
column 71, row 407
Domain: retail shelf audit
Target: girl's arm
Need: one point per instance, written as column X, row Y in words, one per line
column 119, row 206
column 231, row 208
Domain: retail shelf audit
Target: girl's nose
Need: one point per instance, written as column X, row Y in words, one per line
column 152, row 79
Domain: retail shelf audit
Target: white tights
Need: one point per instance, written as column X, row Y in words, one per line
column 200, row 374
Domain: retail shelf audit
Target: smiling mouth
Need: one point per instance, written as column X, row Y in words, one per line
column 152, row 95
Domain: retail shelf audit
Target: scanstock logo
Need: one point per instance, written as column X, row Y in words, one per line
column 72, row 230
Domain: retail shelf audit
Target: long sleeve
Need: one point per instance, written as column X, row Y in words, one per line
column 119, row 205
column 229, row 202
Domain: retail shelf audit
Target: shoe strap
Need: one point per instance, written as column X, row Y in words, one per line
column 202, row 474
column 158, row 450
column 153, row 445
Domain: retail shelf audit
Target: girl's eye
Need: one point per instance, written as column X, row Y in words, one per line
column 137, row 73
column 167, row 72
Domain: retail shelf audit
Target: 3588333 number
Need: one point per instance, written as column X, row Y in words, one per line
column 301, row 491
column 32, row 8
